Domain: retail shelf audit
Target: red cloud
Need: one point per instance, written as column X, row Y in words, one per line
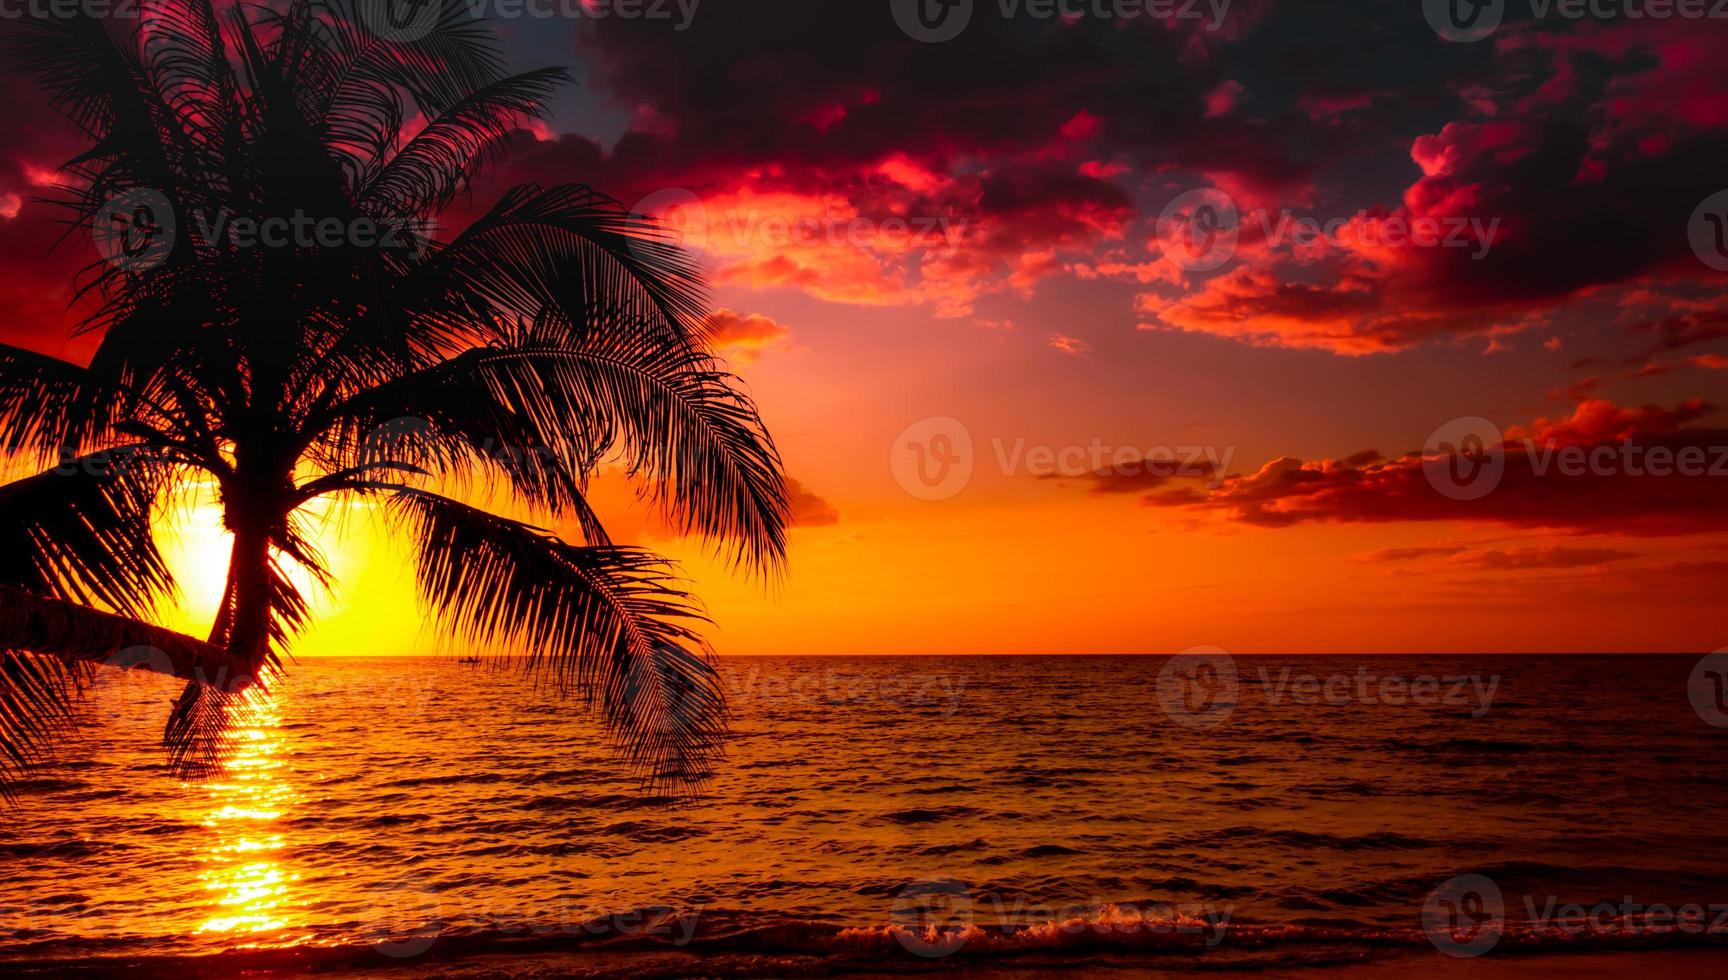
column 1686, row 329
column 1589, row 181
column 1620, row 487
column 1591, row 144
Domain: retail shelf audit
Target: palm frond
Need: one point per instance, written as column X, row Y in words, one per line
column 48, row 646
column 184, row 52
column 450, row 423
column 684, row 428
column 82, row 532
column 204, row 726
column 83, row 61
column 428, row 171
column 444, row 54
column 569, row 251
column 37, row 694
column 609, row 622
column 45, row 405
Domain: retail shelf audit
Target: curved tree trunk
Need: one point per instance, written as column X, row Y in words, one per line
column 247, row 609
column 200, row 726
column 74, row 632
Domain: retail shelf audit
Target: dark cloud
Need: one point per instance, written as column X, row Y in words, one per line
column 808, row 509
column 1686, row 329
column 1605, row 469
column 1556, row 556
column 1401, row 555
column 1138, row 474
column 1048, row 147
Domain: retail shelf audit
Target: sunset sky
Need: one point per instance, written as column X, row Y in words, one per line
column 1044, row 308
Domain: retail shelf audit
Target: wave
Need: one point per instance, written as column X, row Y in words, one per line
column 920, row 815
column 58, row 848
column 659, row 941
column 1306, row 840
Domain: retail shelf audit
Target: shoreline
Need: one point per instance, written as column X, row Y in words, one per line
column 651, row 964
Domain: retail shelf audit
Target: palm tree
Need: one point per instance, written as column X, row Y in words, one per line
column 555, row 334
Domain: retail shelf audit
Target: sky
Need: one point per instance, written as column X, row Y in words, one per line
column 1056, row 364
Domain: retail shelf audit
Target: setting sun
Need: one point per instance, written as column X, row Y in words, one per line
column 975, row 488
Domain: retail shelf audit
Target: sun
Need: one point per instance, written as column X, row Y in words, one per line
column 196, row 547
column 358, row 552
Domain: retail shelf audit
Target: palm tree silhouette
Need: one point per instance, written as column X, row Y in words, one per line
column 349, row 352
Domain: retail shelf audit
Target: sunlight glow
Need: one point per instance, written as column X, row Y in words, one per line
column 197, row 548
column 244, row 875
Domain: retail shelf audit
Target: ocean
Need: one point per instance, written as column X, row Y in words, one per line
column 895, row 813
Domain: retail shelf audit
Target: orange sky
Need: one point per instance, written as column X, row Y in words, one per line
column 1018, row 564
column 1043, row 302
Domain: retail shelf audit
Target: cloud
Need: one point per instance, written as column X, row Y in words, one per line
column 745, row 338
column 1604, row 469
column 1399, row 555
column 1590, row 144
column 1553, row 556
column 1072, row 346
column 1585, row 150
column 1514, row 559
column 1032, row 172
column 1136, row 474
column 808, row 509
column 1686, row 329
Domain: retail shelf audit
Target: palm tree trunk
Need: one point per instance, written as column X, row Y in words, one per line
column 246, row 618
column 73, row 632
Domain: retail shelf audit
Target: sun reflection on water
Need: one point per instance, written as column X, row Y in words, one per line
column 244, row 873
